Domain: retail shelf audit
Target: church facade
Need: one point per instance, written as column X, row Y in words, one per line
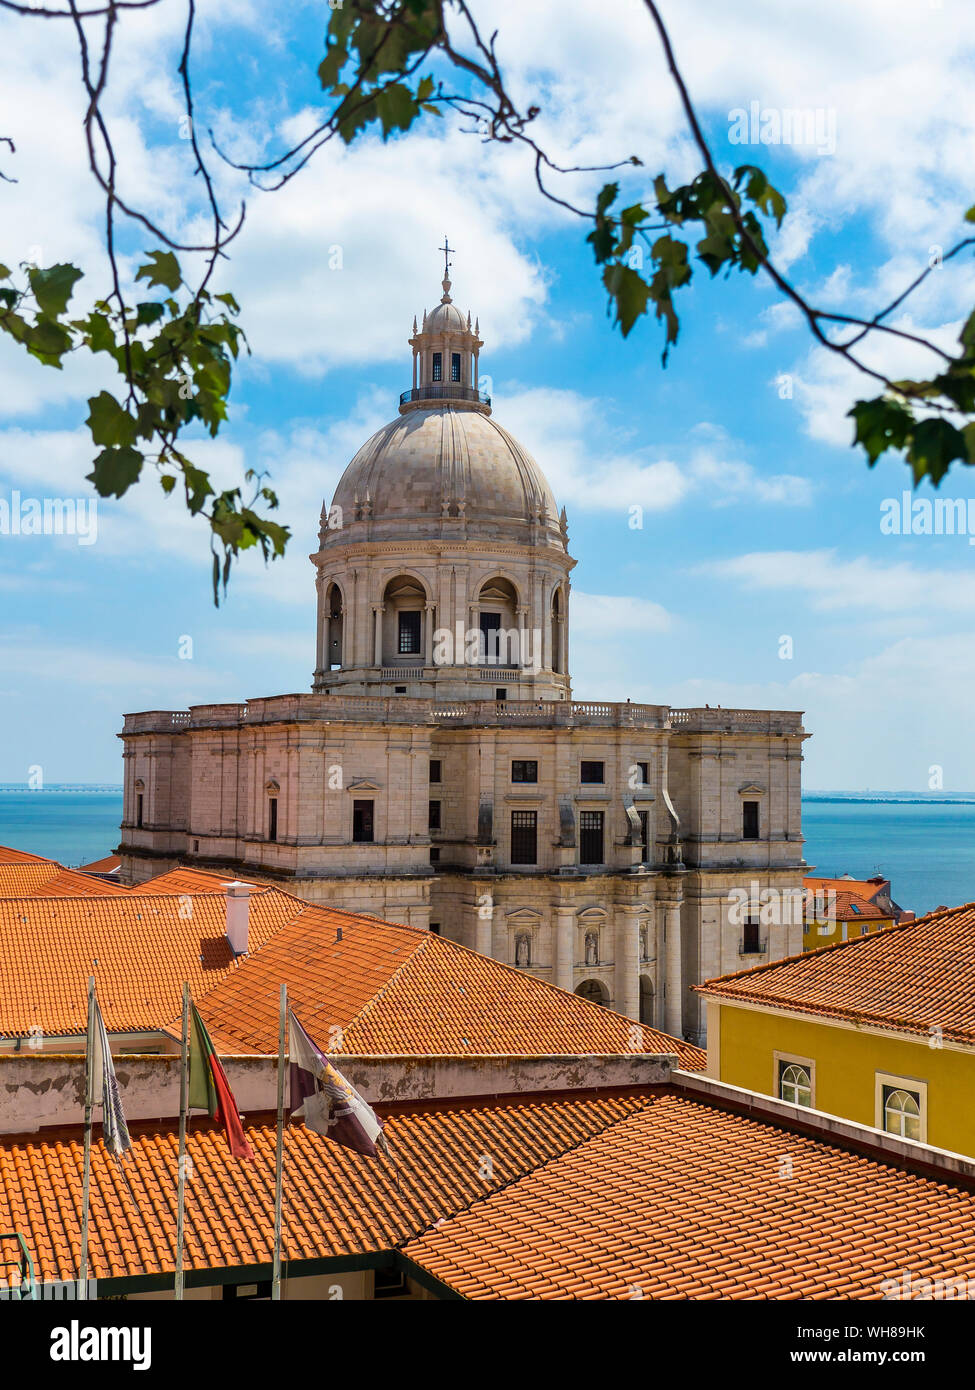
column 440, row 774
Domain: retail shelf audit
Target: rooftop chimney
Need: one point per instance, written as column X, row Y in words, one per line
column 238, row 913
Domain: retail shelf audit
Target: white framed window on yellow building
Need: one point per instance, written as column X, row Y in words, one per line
column 794, row 1079
column 901, row 1106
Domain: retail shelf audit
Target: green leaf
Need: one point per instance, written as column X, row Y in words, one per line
column 396, row 107
column 881, row 425
column 630, row 293
column 167, row 482
column 935, row 445
column 162, row 268
column 109, row 423
column 53, row 287
column 115, row 471
column 148, row 312
column 48, row 342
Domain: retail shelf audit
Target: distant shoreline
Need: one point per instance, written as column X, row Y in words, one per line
column 81, row 787
column 831, row 798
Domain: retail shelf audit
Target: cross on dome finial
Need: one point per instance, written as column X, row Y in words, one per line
column 448, row 251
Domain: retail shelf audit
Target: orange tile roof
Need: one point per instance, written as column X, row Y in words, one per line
column 26, row 880
column 191, row 881
column 847, row 906
column 68, row 883
column 383, row 988
column 683, row 1199
column 145, row 948
column 336, row 1202
column 589, row 1196
column 394, row 989
column 109, row 865
column 909, row 977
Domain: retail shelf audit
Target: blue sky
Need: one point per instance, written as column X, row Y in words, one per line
column 760, row 521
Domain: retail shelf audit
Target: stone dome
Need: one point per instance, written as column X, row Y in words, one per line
column 444, row 318
column 430, row 467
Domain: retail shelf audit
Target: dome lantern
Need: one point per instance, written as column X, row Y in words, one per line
column 446, row 352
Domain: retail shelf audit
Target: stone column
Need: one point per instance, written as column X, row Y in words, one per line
column 673, row 973
column 325, row 658
column 521, row 613
column 428, row 613
column 377, row 611
column 499, row 932
column 565, row 948
column 322, row 621
column 628, row 961
column 483, row 934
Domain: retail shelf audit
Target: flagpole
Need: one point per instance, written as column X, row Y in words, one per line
column 181, row 1165
column 86, row 1180
column 279, row 1152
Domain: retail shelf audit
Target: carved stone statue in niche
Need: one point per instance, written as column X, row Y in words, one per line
column 644, row 942
column 592, row 948
column 523, row 950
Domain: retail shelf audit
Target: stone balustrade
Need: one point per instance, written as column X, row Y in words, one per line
column 363, row 709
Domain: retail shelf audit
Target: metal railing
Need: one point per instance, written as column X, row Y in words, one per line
column 445, row 391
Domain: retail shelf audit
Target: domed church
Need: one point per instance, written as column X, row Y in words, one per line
column 440, row 773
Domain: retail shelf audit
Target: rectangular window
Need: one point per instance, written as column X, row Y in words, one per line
column 749, row 820
column 591, row 836
column 751, row 941
column 434, row 928
column 272, row 818
column 524, row 837
column 592, row 772
column 409, row 634
column 438, row 366
column 433, row 819
column 138, row 810
column 455, row 366
column 435, row 766
column 490, row 638
column 644, row 773
column 644, row 836
column 524, row 770
column 362, row 822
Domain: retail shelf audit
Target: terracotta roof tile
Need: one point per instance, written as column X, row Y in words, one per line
column 15, row 882
column 908, row 977
column 336, row 1202
column 389, row 989
column 589, row 1196
column 109, row 865
column 682, row 1199
column 145, row 947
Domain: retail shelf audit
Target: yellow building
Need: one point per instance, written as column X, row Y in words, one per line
column 879, row 1029
column 836, row 909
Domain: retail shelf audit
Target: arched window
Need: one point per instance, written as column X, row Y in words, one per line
column 556, row 631
column 902, row 1113
column 497, row 603
column 795, row 1084
column 403, row 635
column 646, row 1000
column 334, row 610
column 595, row 991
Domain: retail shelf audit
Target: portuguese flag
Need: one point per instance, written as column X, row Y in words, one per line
column 209, row 1088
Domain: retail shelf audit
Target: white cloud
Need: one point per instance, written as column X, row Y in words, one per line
column 608, row 616
column 832, row 583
